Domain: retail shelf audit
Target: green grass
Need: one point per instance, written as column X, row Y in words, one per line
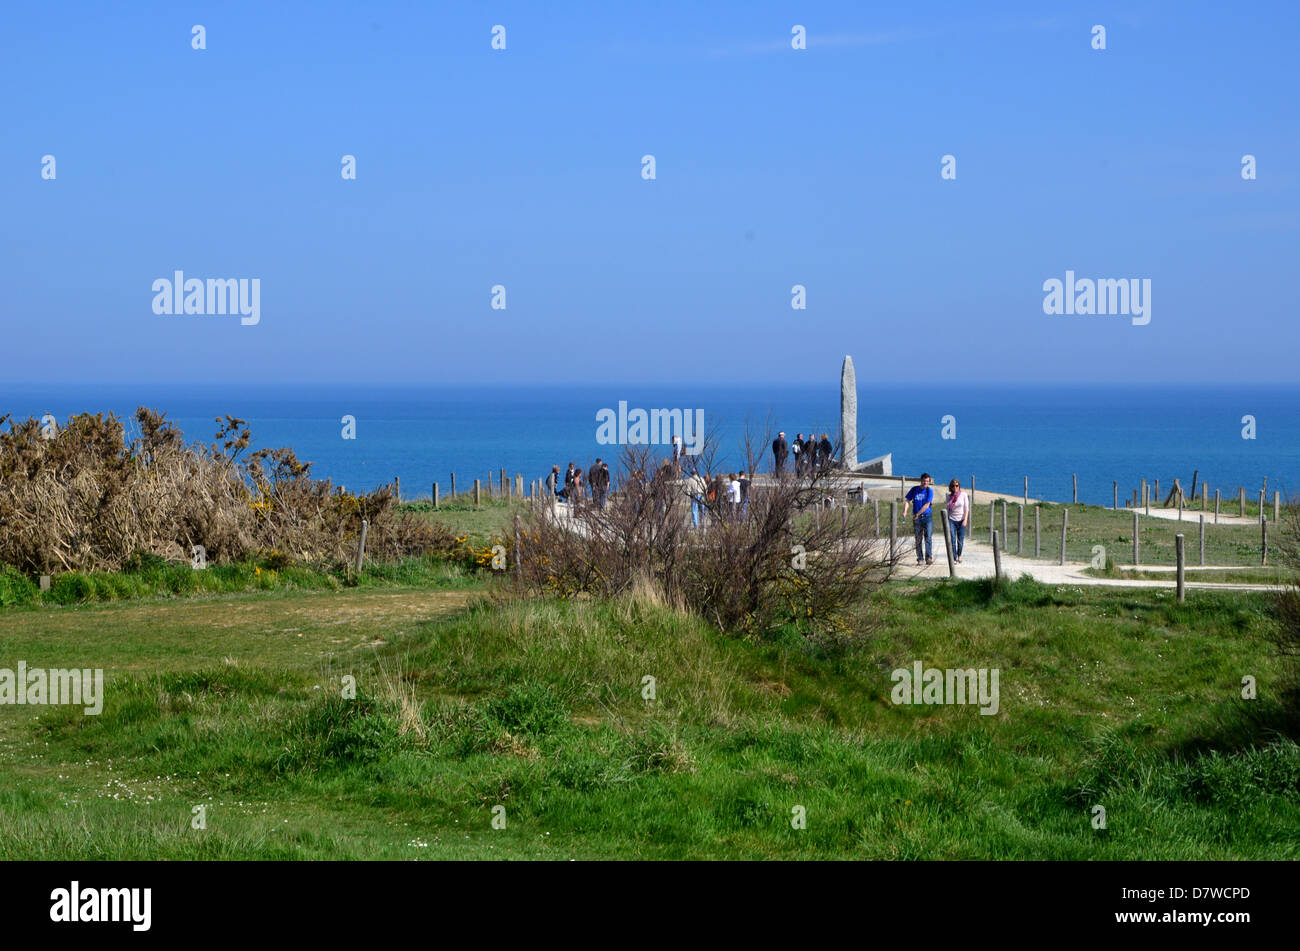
column 1120, row 698
column 1259, row 575
column 1227, row 545
column 492, row 519
column 155, row 578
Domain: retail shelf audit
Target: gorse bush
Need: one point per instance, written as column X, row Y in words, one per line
column 85, row 498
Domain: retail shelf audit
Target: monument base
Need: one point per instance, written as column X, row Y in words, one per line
column 881, row 466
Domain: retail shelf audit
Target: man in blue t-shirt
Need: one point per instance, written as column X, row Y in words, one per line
column 920, row 498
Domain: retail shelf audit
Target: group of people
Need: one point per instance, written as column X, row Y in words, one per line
column 729, row 493
column 920, row 500
column 573, row 485
column 810, row 455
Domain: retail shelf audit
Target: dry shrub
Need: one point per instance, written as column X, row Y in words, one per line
column 785, row 562
column 88, row 499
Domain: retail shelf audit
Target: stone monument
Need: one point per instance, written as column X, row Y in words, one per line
column 881, row 465
column 848, row 415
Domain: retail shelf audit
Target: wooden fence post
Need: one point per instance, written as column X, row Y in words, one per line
column 1020, row 529
column 893, row 530
column 453, row 487
column 1263, row 541
column 1241, row 500
column 1202, row 541
column 435, row 495
column 505, row 485
column 1076, row 488
column 1026, row 501
column 1065, row 524
column 1115, row 490
column 1277, row 506
column 1216, row 506
column 397, row 481
column 997, row 559
column 1135, row 538
column 1178, row 551
column 519, row 484
column 992, row 508
column 1004, row 524
column 476, row 495
column 1261, row 505
column 361, row 545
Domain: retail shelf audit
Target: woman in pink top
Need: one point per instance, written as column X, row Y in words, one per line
column 958, row 504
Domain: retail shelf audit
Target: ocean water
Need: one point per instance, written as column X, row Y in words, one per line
column 422, row 433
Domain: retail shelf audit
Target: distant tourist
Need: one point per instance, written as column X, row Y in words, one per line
column 919, row 498
column 567, row 494
column 677, row 452
column 733, row 495
column 599, row 480
column 780, row 452
column 744, row 493
column 696, row 489
column 797, row 450
column 825, row 451
column 958, row 504
column 577, row 485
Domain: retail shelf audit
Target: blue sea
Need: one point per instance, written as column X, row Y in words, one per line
column 423, row 433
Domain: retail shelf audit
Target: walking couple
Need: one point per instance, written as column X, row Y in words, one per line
column 919, row 499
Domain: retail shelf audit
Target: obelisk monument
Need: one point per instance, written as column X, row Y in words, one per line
column 848, row 415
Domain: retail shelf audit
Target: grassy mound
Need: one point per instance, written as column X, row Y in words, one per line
column 540, row 717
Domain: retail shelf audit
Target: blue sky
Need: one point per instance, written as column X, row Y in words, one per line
column 775, row 167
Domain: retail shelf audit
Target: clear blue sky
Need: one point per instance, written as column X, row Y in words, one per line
column 775, row 167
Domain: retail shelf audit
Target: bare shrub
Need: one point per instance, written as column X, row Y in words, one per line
column 782, row 561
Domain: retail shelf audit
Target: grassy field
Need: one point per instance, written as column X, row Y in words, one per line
column 464, row 703
column 492, row 518
column 1228, row 545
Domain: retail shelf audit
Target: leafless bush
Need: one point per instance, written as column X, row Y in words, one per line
column 783, row 560
column 87, row 499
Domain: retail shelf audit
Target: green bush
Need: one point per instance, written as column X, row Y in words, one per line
column 532, row 708
column 336, row 732
column 72, row 588
column 16, row 587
